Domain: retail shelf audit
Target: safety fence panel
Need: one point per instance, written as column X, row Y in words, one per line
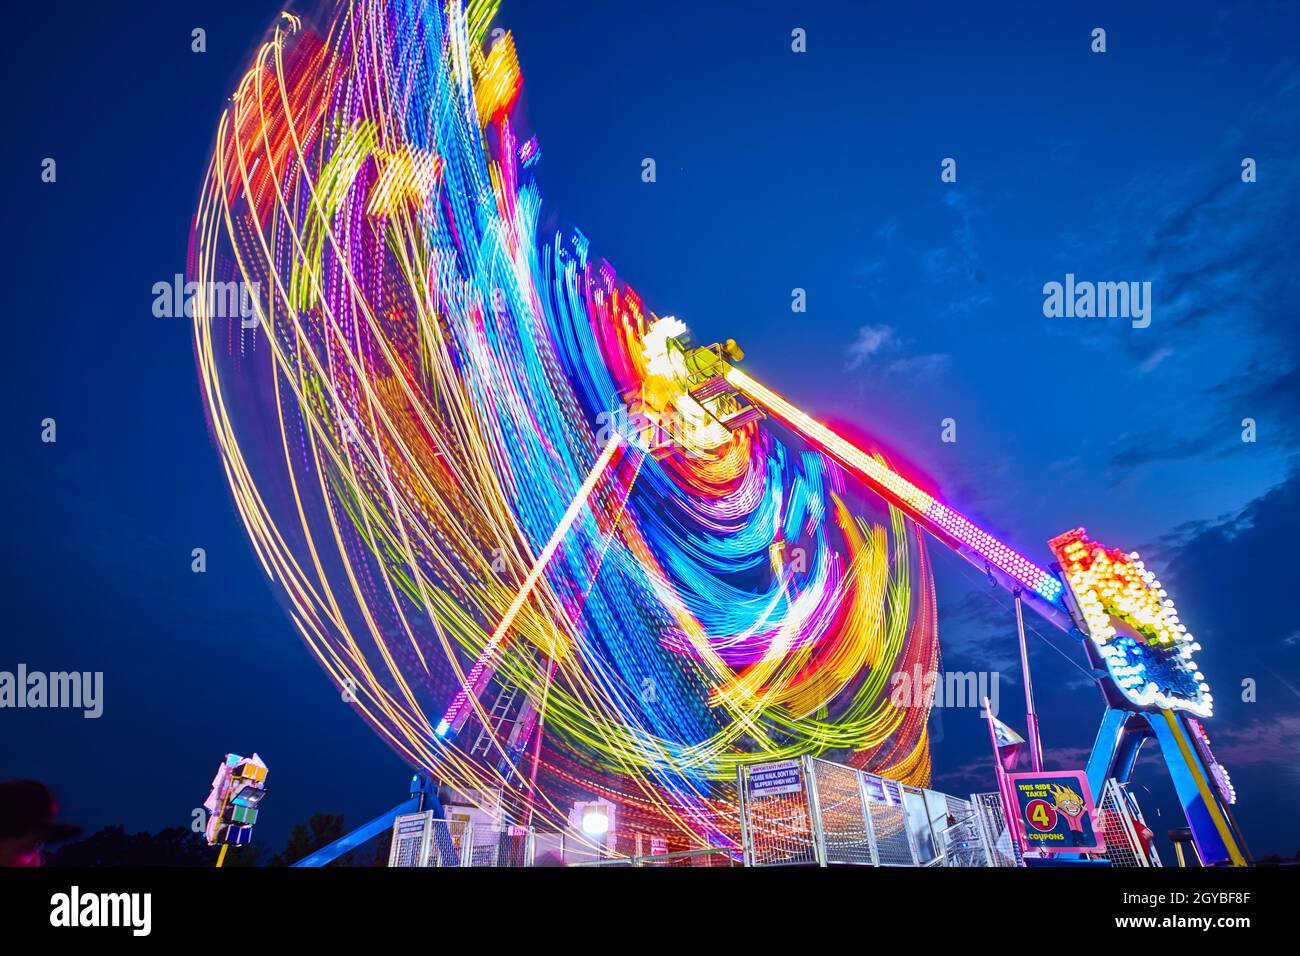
column 957, row 831
column 548, row 849
column 411, row 835
column 962, row 843
column 893, row 842
column 571, row 848
column 644, row 844
column 517, row 847
column 918, row 824
column 1003, row 849
column 813, row 811
column 1120, row 821
column 776, row 814
column 842, row 813
column 505, row 846
column 450, row 843
column 420, row 839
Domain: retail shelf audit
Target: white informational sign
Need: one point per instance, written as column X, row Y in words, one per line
column 410, row 845
column 773, row 779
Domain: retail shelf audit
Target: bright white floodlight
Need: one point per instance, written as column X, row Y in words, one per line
column 595, row 822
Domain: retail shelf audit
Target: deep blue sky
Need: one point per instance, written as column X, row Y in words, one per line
column 775, row 171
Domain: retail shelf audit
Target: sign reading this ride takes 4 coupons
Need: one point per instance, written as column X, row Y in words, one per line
column 1056, row 813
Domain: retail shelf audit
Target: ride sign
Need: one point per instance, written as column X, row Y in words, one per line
column 1055, row 812
column 771, row 779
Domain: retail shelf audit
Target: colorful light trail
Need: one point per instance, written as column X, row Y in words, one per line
column 412, row 433
column 479, row 674
column 411, row 436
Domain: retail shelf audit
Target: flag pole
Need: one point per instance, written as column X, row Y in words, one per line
column 1031, row 717
column 1010, row 807
column 997, row 757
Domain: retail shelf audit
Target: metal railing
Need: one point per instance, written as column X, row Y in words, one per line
column 709, row 857
column 809, row 812
column 419, row 839
column 815, row 812
column 777, row 826
column 1003, row 848
column 1120, row 819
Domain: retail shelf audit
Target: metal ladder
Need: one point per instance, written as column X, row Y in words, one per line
column 497, row 720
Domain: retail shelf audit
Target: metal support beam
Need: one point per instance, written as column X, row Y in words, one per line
column 360, row 835
column 1031, row 716
column 424, row 796
column 1216, row 842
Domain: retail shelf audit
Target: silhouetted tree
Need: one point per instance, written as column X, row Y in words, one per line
column 320, row 830
column 1277, row 859
column 383, row 845
column 113, row 846
column 250, row 854
column 179, row 846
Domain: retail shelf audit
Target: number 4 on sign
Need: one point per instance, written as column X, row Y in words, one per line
column 1041, row 814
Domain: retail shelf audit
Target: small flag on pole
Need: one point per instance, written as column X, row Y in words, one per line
column 1007, row 743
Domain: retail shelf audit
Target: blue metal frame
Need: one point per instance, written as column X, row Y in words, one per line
column 1185, row 765
column 424, row 796
column 1115, row 752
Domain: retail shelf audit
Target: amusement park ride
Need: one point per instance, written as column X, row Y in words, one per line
column 1141, row 653
column 502, row 491
column 1127, row 624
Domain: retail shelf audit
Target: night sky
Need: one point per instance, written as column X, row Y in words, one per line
column 776, row 171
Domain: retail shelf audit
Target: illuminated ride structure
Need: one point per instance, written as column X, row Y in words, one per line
column 548, row 549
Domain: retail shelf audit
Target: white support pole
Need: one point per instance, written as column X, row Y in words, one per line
column 1031, row 717
column 815, row 810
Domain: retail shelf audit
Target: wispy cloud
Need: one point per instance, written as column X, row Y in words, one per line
column 1261, row 743
column 1150, row 363
column 918, row 366
column 880, row 350
column 957, row 265
column 870, row 340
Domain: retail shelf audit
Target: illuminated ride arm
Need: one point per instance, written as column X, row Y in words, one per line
column 1004, row 564
column 483, row 669
column 1107, row 596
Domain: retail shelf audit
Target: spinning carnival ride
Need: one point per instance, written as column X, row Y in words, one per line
column 544, row 545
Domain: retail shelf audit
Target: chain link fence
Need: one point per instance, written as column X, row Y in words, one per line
column 776, row 815
column 1004, row 849
column 420, row 839
column 815, row 812
column 809, row 812
column 1128, row 839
